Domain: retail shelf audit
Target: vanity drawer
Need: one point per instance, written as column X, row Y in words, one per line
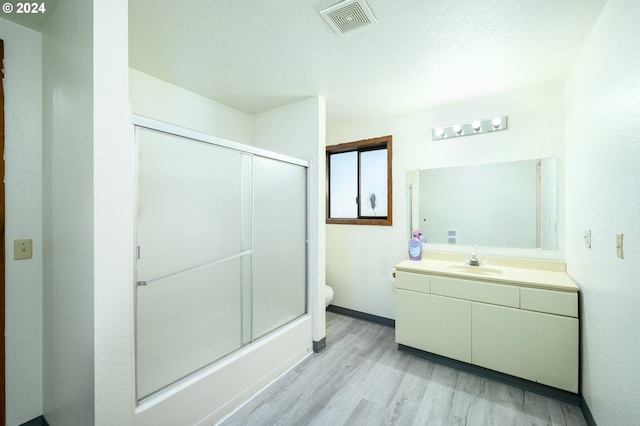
column 549, row 301
column 495, row 294
column 414, row 282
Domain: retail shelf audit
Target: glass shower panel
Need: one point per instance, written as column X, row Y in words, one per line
column 190, row 231
column 189, row 203
column 186, row 322
column 279, row 244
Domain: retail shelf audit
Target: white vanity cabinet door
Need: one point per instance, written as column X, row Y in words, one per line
column 539, row 347
column 436, row 324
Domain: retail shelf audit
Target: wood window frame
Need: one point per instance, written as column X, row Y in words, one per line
column 359, row 146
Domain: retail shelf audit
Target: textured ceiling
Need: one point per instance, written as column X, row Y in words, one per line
column 257, row 55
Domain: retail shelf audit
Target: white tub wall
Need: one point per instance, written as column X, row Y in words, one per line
column 23, row 219
column 603, row 164
column 298, row 130
column 155, row 98
column 359, row 258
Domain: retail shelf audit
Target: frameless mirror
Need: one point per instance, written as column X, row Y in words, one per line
column 510, row 204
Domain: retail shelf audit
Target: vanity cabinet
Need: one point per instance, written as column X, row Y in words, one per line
column 535, row 346
column 531, row 333
column 441, row 325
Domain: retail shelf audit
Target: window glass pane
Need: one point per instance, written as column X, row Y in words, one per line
column 343, row 185
column 373, row 183
column 360, row 182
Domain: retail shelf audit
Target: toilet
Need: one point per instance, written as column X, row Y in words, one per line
column 328, row 295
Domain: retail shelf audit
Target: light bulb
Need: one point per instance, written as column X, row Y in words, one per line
column 476, row 125
column 440, row 132
column 496, row 122
column 457, row 129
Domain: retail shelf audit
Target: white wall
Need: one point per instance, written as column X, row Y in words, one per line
column 359, row 258
column 603, row 171
column 68, row 224
column 23, row 219
column 151, row 97
column 298, row 130
column 113, row 171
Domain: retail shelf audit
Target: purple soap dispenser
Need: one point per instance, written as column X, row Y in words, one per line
column 415, row 246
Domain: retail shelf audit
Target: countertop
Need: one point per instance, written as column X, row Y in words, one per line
column 545, row 274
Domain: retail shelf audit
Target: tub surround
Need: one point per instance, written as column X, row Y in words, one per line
column 516, row 317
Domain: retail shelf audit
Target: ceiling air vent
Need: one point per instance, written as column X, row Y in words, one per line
column 348, row 15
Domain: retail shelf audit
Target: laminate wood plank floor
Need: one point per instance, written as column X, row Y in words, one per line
column 362, row 379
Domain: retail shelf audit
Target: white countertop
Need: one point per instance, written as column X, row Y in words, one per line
column 545, row 274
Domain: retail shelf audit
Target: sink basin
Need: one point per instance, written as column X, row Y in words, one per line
column 478, row 270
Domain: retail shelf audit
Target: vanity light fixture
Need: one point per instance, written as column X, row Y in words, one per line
column 475, row 127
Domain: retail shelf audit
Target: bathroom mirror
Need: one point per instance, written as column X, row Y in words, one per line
column 509, row 204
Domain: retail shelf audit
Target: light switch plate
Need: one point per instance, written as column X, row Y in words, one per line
column 587, row 238
column 22, row 249
column 619, row 246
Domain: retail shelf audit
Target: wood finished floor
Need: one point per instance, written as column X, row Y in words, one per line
column 362, row 379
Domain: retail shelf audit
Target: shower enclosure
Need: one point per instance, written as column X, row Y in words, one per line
column 221, row 249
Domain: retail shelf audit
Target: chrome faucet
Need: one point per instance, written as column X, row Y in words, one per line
column 474, row 261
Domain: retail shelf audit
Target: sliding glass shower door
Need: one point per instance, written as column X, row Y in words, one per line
column 279, row 231
column 221, row 259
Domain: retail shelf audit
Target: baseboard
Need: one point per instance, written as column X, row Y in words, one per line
column 38, row 421
column 586, row 412
column 551, row 392
column 362, row 315
column 320, row 345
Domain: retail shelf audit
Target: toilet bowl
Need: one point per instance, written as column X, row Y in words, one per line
column 328, row 295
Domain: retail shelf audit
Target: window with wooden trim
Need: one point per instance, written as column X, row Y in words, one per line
column 359, row 182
